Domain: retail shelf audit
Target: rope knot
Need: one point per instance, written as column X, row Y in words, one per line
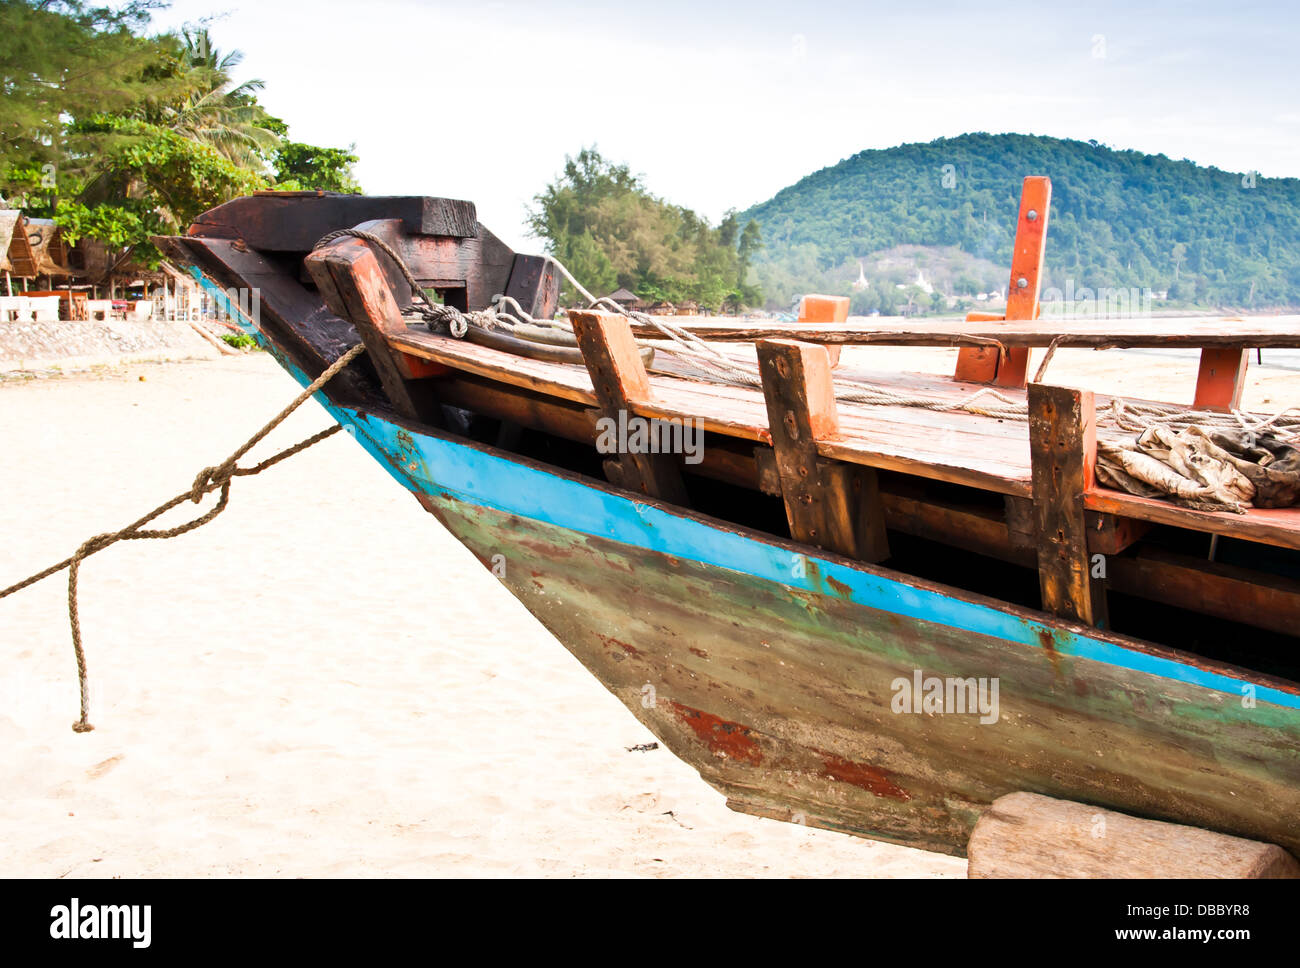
column 209, row 479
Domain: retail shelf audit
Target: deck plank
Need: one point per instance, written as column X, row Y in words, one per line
column 1192, row 332
column 958, row 447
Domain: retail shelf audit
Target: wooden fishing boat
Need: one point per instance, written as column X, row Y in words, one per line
column 771, row 609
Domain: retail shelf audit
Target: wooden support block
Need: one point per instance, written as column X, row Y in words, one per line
column 1021, row 528
column 293, row 222
column 855, row 519
column 534, row 285
column 978, row 364
column 1221, row 378
column 1254, row 598
column 620, row 381
column 1027, row 835
column 825, row 309
column 1110, row 534
column 828, row 504
column 356, row 288
column 1063, row 454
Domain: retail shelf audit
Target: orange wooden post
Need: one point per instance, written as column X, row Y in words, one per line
column 1221, row 378
column 979, row 364
column 825, row 309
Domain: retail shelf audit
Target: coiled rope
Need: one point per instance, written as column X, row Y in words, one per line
column 216, row 478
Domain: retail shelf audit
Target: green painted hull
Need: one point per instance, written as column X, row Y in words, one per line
column 781, row 698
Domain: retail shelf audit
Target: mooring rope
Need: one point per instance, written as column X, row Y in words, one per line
column 216, row 478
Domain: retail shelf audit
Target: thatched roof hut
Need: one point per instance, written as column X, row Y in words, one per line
column 47, row 246
column 9, row 219
column 36, row 249
column 626, row 298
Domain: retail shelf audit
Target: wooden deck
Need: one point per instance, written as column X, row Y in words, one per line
column 954, row 446
column 1190, row 332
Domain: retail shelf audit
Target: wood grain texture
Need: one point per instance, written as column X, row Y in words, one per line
column 985, row 364
column 781, row 699
column 1221, row 378
column 961, row 448
column 294, row 222
column 1028, row 835
column 801, row 409
column 354, row 284
column 1190, row 332
column 620, row 382
column 1063, row 449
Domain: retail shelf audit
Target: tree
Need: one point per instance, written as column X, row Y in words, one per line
column 120, row 136
column 304, row 167
column 214, row 110
column 599, row 220
column 65, row 59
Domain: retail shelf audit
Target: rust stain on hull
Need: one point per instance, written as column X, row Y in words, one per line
column 870, row 778
column 804, row 680
column 721, row 737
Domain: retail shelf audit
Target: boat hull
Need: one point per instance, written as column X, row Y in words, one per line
column 776, row 672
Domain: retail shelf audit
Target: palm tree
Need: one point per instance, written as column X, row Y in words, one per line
column 215, row 111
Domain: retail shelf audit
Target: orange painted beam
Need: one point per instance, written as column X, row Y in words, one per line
column 1221, row 378
column 979, row 364
column 825, row 309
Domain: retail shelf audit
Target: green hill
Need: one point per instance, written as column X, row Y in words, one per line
column 1119, row 219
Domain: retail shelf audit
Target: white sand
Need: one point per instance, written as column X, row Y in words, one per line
column 320, row 683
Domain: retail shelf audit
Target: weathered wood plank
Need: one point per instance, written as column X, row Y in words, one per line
column 355, row 286
column 534, row 285
column 620, row 382
column 800, row 400
column 294, row 222
column 1273, row 526
column 1167, row 332
column 1028, row 835
column 1063, row 452
column 828, row 504
column 854, row 510
column 1253, row 598
column 730, row 657
column 301, row 326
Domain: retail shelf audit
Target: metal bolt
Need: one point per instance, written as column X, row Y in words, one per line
column 1032, row 215
column 1022, row 282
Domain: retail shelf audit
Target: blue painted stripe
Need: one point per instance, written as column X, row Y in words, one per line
column 478, row 478
column 475, row 477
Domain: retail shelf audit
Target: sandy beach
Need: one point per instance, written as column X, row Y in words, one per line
column 320, row 683
column 323, row 682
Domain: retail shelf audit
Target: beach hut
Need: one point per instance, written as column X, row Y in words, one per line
column 9, row 219
column 626, row 298
column 662, row 308
column 20, row 257
column 48, row 249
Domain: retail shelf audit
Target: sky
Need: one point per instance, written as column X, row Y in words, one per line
column 720, row 105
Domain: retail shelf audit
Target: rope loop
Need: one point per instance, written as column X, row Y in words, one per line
column 215, row 478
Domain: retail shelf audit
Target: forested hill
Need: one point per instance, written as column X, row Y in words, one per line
column 1119, row 219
